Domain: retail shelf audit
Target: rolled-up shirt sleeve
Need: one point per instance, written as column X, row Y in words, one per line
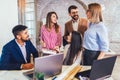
column 103, row 39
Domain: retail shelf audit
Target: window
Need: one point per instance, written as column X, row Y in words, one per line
column 26, row 10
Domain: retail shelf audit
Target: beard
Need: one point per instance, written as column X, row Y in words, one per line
column 75, row 17
column 26, row 39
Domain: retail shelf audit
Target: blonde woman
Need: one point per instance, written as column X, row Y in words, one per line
column 95, row 41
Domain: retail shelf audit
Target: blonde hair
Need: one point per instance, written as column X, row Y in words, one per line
column 96, row 14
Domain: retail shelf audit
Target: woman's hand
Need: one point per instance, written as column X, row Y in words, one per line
column 42, row 43
column 56, row 48
column 101, row 55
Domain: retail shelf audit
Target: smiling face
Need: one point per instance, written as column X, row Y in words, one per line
column 53, row 18
column 74, row 14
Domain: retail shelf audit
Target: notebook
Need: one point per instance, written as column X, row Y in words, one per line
column 49, row 65
column 46, row 51
column 100, row 70
column 69, row 72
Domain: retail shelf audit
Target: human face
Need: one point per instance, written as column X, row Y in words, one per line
column 54, row 18
column 74, row 14
column 23, row 35
column 88, row 14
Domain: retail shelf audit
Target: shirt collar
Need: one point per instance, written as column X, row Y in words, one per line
column 73, row 21
column 19, row 44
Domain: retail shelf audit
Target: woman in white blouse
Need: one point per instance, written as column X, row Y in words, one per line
column 73, row 51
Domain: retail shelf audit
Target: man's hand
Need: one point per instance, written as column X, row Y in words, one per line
column 27, row 66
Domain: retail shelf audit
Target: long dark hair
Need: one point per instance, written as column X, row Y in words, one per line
column 75, row 46
column 48, row 21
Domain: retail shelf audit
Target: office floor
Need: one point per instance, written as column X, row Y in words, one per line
column 116, row 70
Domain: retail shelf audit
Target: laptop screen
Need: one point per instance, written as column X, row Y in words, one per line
column 49, row 65
column 102, row 68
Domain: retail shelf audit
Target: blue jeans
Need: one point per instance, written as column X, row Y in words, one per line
column 89, row 56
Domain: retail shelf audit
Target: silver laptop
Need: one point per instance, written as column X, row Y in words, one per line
column 50, row 65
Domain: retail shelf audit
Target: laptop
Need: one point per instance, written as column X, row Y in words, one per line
column 100, row 70
column 50, row 65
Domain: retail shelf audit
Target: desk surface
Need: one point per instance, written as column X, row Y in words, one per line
column 12, row 75
column 18, row 75
column 66, row 67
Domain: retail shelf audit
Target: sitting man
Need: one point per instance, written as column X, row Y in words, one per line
column 16, row 54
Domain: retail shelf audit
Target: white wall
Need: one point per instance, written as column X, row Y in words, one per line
column 8, row 19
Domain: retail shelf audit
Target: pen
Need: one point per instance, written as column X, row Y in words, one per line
column 54, row 78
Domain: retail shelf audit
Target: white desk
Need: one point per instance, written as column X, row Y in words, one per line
column 18, row 74
column 12, row 75
column 66, row 67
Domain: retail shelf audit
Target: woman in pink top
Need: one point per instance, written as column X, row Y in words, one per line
column 50, row 33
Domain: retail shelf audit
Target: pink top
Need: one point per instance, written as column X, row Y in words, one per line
column 50, row 38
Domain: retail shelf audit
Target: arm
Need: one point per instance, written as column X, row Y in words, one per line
column 65, row 32
column 65, row 36
column 101, row 55
column 33, row 50
column 103, row 41
column 65, row 50
column 58, row 43
column 41, row 38
column 78, row 58
column 59, row 38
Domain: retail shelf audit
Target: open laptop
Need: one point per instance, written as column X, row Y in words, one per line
column 50, row 65
column 100, row 70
